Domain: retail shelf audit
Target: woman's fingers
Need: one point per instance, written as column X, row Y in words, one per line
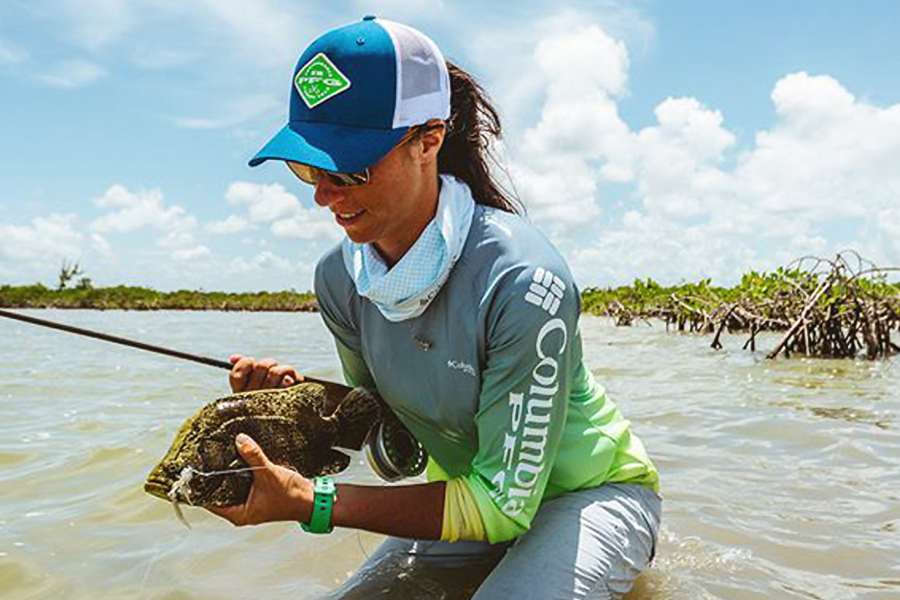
column 282, row 376
column 249, row 374
column 260, row 373
column 241, row 368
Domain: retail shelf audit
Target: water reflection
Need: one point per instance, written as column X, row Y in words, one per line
column 842, row 413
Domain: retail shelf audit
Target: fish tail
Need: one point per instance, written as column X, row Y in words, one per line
column 357, row 414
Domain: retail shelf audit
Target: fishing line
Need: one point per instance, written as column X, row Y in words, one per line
column 211, row 473
column 157, row 550
column 152, row 562
column 359, row 533
column 359, row 542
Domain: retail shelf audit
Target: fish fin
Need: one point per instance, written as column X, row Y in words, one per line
column 180, row 514
column 357, row 414
column 333, row 462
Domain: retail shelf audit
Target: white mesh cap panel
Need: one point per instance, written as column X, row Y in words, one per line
column 423, row 84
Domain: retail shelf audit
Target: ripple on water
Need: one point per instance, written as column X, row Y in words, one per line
column 21, row 580
column 681, row 562
column 14, row 458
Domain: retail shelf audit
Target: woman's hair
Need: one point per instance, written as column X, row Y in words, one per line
column 466, row 152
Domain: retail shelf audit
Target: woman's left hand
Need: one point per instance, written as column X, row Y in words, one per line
column 278, row 493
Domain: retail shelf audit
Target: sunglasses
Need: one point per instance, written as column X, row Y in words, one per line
column 312, row 175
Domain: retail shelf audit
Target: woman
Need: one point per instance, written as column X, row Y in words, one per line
column 464, row 318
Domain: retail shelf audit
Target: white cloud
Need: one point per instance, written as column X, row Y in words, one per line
column 191, row 254
column 95, row 23
column 134, row 210
column 696, row 207
column 232, row 224
column 268, row 29
column 272, row 271
column 675, row 164
column 506, row 53
column 271, row 203
column 100, row 245
column 183, row 246
column 581, row 60
column 555, row 168
column 265, row 202
column 308, row 225
column 264, row 260
column 45, row 240
column 829, row 155
column 71, row 74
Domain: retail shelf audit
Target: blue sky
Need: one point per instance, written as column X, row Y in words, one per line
column 675, row 140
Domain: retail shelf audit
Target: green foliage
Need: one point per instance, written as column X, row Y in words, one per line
column 85, row 295
column 773, row 296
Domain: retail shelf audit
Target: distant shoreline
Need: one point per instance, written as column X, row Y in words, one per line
column 643, row 299
column 145, row 299
column 829, row 313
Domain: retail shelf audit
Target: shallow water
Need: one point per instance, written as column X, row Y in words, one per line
column 781, row 479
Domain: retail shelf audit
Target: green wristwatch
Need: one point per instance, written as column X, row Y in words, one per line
column 320, row 521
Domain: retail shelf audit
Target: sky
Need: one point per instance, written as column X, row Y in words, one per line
column 672, row 140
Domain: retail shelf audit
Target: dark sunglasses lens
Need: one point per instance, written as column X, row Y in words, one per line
column 311, row 175
column 304, row 173
column 349, row 179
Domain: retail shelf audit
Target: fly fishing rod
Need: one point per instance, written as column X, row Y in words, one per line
column 393, row 452
column 126, row 342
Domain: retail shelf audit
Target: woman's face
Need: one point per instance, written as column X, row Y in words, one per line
column 398, row 202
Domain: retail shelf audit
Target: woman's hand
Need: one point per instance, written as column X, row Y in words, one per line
column 278, row 494
column 249, row 374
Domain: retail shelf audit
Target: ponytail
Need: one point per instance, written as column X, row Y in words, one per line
column 466, row 152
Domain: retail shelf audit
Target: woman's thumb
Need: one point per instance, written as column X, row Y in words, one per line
column 250, row 450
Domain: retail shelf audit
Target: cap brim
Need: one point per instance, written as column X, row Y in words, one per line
column 330, row 147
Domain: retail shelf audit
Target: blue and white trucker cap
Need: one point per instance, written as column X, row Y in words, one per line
column 355, row 93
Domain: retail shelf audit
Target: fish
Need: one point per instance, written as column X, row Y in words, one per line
column 297, row 427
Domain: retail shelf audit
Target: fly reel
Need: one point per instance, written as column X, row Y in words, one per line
column 394, row 453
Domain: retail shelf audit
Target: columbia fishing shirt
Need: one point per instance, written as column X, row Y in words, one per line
column 490, row 379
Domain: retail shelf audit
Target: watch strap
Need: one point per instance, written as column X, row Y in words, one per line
column 323, row 500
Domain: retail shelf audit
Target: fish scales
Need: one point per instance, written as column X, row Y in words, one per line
column 297, row 427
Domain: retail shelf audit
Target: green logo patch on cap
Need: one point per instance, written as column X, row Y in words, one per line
column 319, row 80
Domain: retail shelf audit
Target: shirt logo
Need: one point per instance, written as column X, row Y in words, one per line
column 525, row 443
column 546, row 291
column 462, row 366
column 319, row 80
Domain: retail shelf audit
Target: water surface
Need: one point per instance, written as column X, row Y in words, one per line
column 781, row 479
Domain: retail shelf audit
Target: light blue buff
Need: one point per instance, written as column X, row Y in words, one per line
column 406, row 290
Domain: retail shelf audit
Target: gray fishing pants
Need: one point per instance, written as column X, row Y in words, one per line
column 589, row 544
